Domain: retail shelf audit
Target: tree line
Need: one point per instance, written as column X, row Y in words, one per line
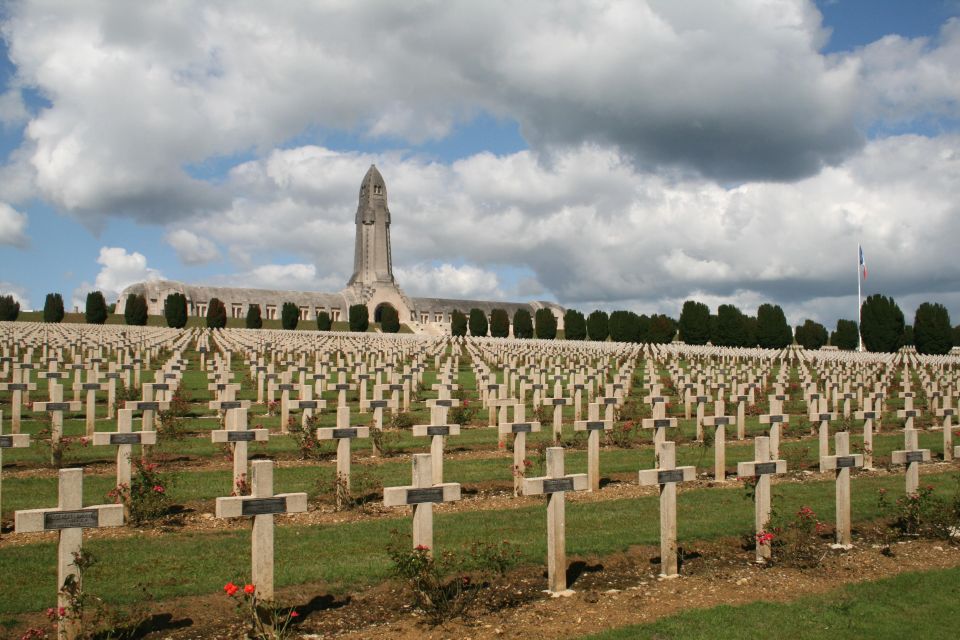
column 883, row 327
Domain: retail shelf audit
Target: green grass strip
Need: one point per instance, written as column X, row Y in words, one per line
column 351, row 555
column 910, row 605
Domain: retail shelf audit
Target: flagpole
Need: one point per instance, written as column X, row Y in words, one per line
column 859, row 304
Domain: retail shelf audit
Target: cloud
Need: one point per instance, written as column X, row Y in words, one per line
column 192, row 249
column 118, row 270
column 19, row 293
column 13, row 225
column 910, row 79
column 676, row 149
column 449, row 281
column 282, row 277
column 593, row 230
column 13, row 112
column 141, row 92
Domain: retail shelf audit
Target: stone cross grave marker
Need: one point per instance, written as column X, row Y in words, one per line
column 378, row 405
column 823, row 417
column 422, row 495
column 56, row 407
column 437, row 434
column 775, row 420
column 659, row 426
column 440, row 408
column 519, row 428
column 91, row 388
column 69, row 519
column 761, row 468
column 237, row 436
column 911, row 455
column 17, row 389
column 307, row 404
column 262, row 505
column 909, row 414
column 868, row 416
column 667, row 476
column 343, row 433
column 554, row 486
column 149, row 409
column 124, row 439
column 148, row 405
column 947, row 414
column 701, row 402
column 842, row 462
column 719, row 424
column 558, row 402
column 741, row 400
column 284, row 388
column 593, row 425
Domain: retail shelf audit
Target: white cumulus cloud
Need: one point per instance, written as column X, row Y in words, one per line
column 192, row 249
column 13, row 225
column 118, row 270
column 449, row 281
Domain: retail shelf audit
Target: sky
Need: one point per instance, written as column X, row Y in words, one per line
column 601, row 154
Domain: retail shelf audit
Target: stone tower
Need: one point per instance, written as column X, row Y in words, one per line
column 372, row 263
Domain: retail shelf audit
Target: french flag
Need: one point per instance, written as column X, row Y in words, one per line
column 862, row 263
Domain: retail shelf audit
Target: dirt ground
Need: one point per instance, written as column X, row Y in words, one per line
column 607, row 593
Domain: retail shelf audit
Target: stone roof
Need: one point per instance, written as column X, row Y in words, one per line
column 446, row 305
column 159, row 289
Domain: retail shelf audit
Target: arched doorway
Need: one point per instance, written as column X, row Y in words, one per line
column 378, row 312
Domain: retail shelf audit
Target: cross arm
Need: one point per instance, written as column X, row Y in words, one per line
column 841, row 462
column 239, row 435
column 754, row 468
column 436, row 429
column 443, row 402
column 101, row 515
column 906, row 457
column 658, row 423
column 822, row 417
column 336, row 433
column 541, row 486
column 14, row 441
column 650, row 477
column 236, row 506
column 309, row 404
column 592, row 425
column 58, row 406
column 223, row 405
column 518, row 427
column 131, row 437
column 402, row 496
column 146, row 405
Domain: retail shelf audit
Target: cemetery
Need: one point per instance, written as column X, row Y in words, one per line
column 569, row 381
column 197, row 483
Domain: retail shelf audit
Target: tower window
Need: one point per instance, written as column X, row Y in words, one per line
column 377, row 190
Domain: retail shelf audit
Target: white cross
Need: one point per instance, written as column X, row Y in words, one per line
column 667, row 476
column 842, row 462
column 262, row 505
column 69, row 519
column 593, row 425
column 422, row 495
column 554, row 486
column 761, row 468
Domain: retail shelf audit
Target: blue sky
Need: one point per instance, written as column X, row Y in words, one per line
column 604, row 155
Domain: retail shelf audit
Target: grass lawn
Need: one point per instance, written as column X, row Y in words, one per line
column 352, row 555
column 911, row 605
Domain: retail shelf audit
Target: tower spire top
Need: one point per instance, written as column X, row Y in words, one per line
column 371, row 258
